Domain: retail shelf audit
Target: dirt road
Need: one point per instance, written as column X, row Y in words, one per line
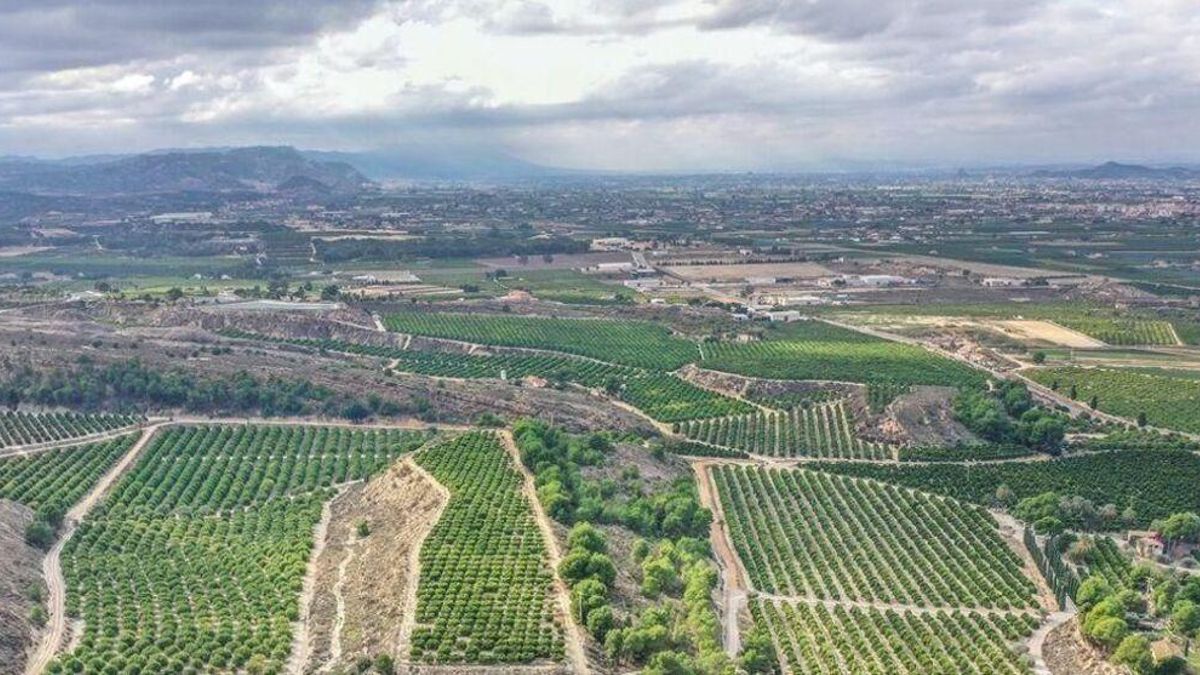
column 56, row 596
column 409, row 614
column 734, row 581
column 301, row 645
column 574, row 643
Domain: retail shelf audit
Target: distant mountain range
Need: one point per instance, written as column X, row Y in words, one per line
column 260, row 169
column 1118, row 171
column 252, row 169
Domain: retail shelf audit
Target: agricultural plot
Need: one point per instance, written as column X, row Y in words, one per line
column 1155, row 483
column 803, row 533
column 21, row 428
column 631, row 343
column 1167, row 401
column 1123, row 332
column 822, row 430
column 59, row 478
column 197, row 558
column 816, row 639
column 818, row 351
column 662, row 396
column 485, row 593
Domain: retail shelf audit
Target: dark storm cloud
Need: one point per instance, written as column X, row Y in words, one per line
column 48, row 35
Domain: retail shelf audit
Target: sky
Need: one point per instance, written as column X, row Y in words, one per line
column 624, row 85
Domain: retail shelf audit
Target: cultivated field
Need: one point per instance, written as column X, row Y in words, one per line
column 21, row 428
column 196, row 559
column 813, row 535
column 810, row 350
column 820, row 430
column 58, row 478
column 1167, row 401
column 1154, row 483
column 485, row 594
column 815, row 638
column 631, row 343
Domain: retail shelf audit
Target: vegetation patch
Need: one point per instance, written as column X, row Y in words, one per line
column 1159, row 400
column 802, row 533
column 484, row 594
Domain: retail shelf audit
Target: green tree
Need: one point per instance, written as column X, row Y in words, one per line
column 1134, row 653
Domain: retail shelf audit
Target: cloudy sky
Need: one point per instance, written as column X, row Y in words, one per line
column 613, row 84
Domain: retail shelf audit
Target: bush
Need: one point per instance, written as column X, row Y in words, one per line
column 39, row 534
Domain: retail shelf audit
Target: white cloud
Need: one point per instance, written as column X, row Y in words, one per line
column 654, row 84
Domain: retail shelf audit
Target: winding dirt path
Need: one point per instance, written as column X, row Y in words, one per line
column 735, row 585
column 574, row 643
column 339, row 622
column 1037, row 641
column 56, row 596
column 301, row 644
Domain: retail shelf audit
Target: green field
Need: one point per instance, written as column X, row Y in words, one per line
column 631, row 343
column 812, row 350
column 1155, row 483
column 59, row 478
column 485, row 591
column 196, row 559
column 663, row 396
column 21, row 428
column 1123, row 332
column 818, row 640
column 803, row 533
column 1167, row 401
column 821, row 430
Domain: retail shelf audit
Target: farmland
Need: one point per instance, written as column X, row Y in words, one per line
column 58, row 478
column 1154, row 483
column 485, row 589
column 663, row 396
column 631, row 343
column 802, row 533
column 818, row 351
column 1123, row 332
column 814, row 638
column 196, row 558
column 821, row 430
column 22, row 428
column 1166, row 401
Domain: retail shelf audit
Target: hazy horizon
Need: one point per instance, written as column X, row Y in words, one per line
column 644, row 86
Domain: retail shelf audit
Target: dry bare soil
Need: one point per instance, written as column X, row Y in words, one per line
column 362, row 582
column 20, row 568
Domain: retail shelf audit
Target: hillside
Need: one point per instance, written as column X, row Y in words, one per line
column 236, row 170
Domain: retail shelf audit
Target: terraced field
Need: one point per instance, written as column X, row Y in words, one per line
column 822, row 430
column 1167, row 401
column 485, row 590
column 814, row 638
column 811, row 350
column 662, row 396
column 631, row 343
column 815, row 535
column 22, row 428
column 196, row 559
